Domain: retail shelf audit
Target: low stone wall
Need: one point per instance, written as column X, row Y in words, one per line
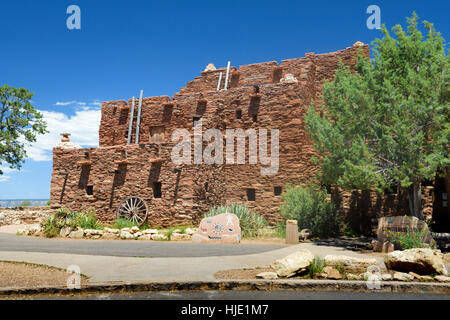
column 24, row 215
column 114, row 234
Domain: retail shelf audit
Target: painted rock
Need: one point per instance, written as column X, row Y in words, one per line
column 223, row 228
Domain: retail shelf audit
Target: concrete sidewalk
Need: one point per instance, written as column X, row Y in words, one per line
column 102, row 269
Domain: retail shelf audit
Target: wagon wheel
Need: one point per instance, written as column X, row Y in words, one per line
column 134, row 209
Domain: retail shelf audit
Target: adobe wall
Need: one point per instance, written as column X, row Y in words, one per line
column 189, row 190
column 310, row 71
column 188, row 195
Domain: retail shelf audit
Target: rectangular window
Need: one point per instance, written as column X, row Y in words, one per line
column 90, row 190
column 251, row 195
column 238, row 114
column 157, row 134
column 277, row 191
column 255, row 118
column 157, row 190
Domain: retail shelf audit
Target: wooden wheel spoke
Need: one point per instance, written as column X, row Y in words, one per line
column 134, row 209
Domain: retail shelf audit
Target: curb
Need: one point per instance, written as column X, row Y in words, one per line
column 241, row 285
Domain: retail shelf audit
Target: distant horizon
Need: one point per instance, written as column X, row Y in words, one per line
column 35, row 199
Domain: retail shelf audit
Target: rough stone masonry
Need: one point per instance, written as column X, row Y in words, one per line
column 263, row 95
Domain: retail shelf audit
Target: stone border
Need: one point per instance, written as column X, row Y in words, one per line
column 133, row 233
column 239, row 285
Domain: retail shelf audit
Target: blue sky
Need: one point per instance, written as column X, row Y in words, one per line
column 157, row 46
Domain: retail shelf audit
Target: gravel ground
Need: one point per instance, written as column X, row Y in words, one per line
column 241, row 273
column 19, row 274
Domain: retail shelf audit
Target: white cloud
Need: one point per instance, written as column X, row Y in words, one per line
column 83, row 127
column 7, row 169
column 68, row 103
column 78, row 103
column 3, row 177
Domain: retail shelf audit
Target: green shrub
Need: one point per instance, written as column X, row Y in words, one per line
column 51, row 226
column 281, row 229
column 316, row 266
column 311, row 208
column 249, row 221
column 25, row 204
column 48, row 202
column 124, row 223
column 66, row 218
column 349, row 232
column 85, row 220
column 409, row 239
column 169, row 232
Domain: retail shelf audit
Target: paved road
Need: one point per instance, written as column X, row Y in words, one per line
column 120, row 248
column 254, row 295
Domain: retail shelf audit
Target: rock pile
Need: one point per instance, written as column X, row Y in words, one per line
column 409, row 265
column 293, row 264
column 113, row 234
column 30, row 215
column 423, row 261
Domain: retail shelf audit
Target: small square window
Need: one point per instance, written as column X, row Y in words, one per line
column 157, row 190
column 157, row 134
column 277, row 191
column 90, row 190
column 238, row 114
column 251, row 195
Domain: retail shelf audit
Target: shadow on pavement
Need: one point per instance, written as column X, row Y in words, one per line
column 359, row 244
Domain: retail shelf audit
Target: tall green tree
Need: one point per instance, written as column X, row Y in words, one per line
column 20, row 123
column 387, row 123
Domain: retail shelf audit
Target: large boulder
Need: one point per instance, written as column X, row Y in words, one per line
column 350, row 264
column 420, row 260
column 222, row 228
column 65, row 231
column 77, row 234
column 394, row 224
column 296, row 262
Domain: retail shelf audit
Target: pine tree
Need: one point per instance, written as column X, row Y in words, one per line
column 387, row 123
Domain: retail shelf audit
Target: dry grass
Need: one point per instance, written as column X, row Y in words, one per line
column 241, row 273
column 26, row 275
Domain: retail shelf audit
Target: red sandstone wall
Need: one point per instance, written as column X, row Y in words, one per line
column 188, row 194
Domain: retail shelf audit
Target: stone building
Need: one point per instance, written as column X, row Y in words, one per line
column 257, row 96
